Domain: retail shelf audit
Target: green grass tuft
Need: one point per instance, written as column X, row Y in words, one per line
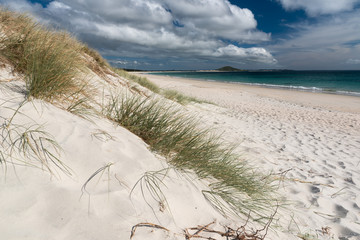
column 28, row 144
column 37, row 147
column 150, row 184
column 96, row 56
column 188, row 147
column 179, row 97
column 49, row 60
column 169, row 94
column 140, row 80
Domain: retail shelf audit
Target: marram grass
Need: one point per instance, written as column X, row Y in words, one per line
column 49, row 60
column 179, row 97
column 140, row 80
column 29, row 145
column 167, row 93
column 234, row 186
column 96, row 56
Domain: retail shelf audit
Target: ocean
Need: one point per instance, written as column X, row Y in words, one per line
column 336, row 82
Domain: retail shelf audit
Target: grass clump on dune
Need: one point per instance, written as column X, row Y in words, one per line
column 167, row 93
column 28, row 144
column 49, row 60
column 234, row 186
column 140, row 80
column 33, row 144
column 179, row 97
column 50, row 63
column 96, row 56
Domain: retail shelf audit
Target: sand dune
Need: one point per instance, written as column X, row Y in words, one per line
column 101, row 192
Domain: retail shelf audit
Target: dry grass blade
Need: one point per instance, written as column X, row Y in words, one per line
column 102, row 135
column 241, row 233
column 149, row 225
column 152, row 182
column 35, row 145
column 199, row 230
column 29, row 144
column 15, row 112
column 3, row 161
column 100, row 170
column 206, row 232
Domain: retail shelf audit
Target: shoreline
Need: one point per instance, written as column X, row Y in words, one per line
column 335, row 102
column 301, row 88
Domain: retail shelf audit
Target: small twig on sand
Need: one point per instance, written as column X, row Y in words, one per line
column 199, row 230
column 150, row 225
column 338, row 193
column 239, row 234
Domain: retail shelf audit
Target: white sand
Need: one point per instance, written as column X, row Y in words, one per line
column 314, row 139
column 38, row 205
column 318, row 146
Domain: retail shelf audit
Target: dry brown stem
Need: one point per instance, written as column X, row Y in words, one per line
column 241, row 233
column 150, row 225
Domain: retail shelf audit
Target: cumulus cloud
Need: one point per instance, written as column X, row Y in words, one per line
column 316, row 7
column 157, row 28
column 254, row 53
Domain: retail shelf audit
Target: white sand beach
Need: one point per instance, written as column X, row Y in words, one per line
column 307, row 142
column 313, row 139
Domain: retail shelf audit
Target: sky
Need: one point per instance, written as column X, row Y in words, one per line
column 209, row 34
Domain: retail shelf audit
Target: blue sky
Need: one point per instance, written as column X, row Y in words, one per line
column 208, row 34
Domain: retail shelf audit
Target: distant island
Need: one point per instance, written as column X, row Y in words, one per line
column 222, row 69
column 229, row 69
column 232, row 69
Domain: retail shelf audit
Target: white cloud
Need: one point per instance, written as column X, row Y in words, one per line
column 315, row 7
column 59, row 6
column 217, row 18
column 195, row 18
column 258, row 54
column 192, row 28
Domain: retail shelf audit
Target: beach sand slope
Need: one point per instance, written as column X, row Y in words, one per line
column 103, row 182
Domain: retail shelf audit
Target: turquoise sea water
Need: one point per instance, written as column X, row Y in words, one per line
column 337, row 82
